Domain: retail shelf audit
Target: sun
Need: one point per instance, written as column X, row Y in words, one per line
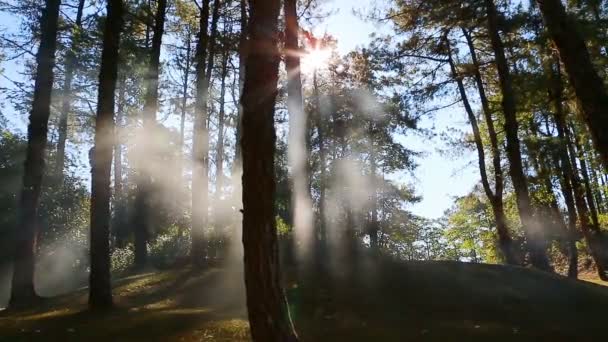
column 315, row 59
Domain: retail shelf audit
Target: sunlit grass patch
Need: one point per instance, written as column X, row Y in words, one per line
column 226, row 330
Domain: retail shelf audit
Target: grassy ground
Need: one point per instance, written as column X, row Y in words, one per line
column 377, row 301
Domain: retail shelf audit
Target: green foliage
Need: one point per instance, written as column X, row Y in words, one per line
column 283, row 229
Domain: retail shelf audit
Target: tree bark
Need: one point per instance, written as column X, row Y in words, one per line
column 266, row 303
column 22, row 292
column 534, row 237
column 505, row 243
column 66, row 102
column 142, row 207
column 588, row 85
column 100, row 287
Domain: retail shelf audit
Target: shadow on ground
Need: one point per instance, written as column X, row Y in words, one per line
column 378, row 300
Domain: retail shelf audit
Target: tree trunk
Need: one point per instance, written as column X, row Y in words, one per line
column 118, row 225
column 237, row 164
column 298, row 119
column 219, row 212
column 22, row 292
column 200, row 175
column 588, row 85
column 373, row 226
column 66, row 101
column 266, row 303
column 319, row 233
column 586, row 180
column 534, row 237
column 505, row 243
column 142, row 223
column 184, row 104
column 100, row 289
column 569, row 167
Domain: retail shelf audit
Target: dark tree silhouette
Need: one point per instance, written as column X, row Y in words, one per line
column 535, row 242
column 266, row 303
column 23, row 293
column 588, row 85
column 66, row 101
column 200, row 139
column 100, row 288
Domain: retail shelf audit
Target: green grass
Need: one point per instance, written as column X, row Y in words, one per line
column 373, row 301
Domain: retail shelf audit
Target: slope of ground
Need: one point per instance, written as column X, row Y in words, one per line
column 378, row 301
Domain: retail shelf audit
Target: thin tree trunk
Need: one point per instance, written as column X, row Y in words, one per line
column 142, row 222
column 184, row 104
column 118, row 184
column 535, row 241
column 219, row 152
column 22, row 291
column 100, row 293
column 266, row 303
column 320, row 227
column 505, row 242
column 297, row 149
column 373, row 227
column 200, row 142
column 203, row 106
column 237, row 164
column 66, row 102
column 588, row 85
column 569, row 167
column 221, row 118
column 586, row 182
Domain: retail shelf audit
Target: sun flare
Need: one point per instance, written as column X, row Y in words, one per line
column 315, row 59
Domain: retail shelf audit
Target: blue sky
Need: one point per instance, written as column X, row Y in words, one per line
column 439, row 178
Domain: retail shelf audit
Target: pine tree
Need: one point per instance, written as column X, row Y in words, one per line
column 266, row 303
column 23, row 293
column 100, row 293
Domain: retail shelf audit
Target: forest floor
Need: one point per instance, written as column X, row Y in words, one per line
column 378, row 301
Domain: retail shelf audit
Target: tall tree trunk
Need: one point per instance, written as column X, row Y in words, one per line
column 505, row 243
column 297, row 149
column 66, row 102
column 319, row 233
column 595, row 184
column 22, row 291
column 266, row 303
column 184, row 104
column 100, row 293
column 552, row 218
column 373, row 161
column 219, row 213
column 569, row 168
column 200, row 176
column 588, row 85
column 535, row 241
column 221, row 120
column 118, row 225
column 586, row 181
column 566, row 185
column 144, row 185
column 237, row 164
